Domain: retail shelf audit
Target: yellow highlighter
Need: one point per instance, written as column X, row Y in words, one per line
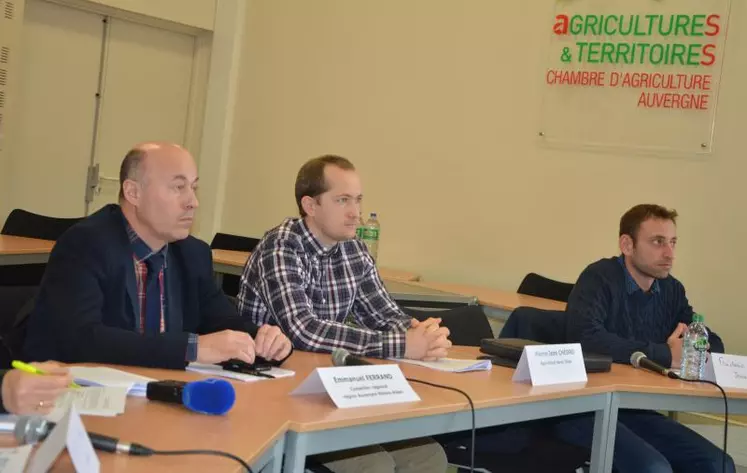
column 21, row 366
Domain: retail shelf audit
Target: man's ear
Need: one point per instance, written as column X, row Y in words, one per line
column 627, row 245
column 131, row 191
column 309, row 205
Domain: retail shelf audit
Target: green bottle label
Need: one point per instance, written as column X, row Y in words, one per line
column 370, row 234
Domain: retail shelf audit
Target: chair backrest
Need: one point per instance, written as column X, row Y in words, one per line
column 467, row 325
column 23, row 223
column 28, row 224
column 226, row 241
column 540, row 286
column 529, row 323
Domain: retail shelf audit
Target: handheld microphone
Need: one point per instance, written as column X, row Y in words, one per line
column 208, row 396
column 8, row 423
column 32, row 429
column 640, row 360
column 342, row 357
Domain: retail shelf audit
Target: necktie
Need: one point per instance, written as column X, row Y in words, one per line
column 153, row 294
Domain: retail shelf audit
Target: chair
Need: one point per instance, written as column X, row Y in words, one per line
column 23, row 223
column 226, row 241
column 540, row 286
column 20, row 283
column 467, row 325
column 529, row 323
column 546, row 326
column 503, row 448
column 28, row 224
column 526, row 446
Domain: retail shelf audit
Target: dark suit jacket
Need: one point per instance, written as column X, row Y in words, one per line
column 2, row 406
column 87, row 305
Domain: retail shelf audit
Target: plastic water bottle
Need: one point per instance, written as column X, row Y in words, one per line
column 694, row 349
column 370, row 235
column 359, row 230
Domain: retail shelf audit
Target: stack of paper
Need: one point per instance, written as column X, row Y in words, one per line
column 452, row 365
column 134, row 384
column 217, row 370
column 94, row 401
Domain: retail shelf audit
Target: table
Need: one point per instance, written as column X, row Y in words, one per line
column 317, row 426
column 21, row 250
column 267, row 423
column 639, row 389
column 252, row 430
column 497, row 304
column 232, row 262
column 412, row 295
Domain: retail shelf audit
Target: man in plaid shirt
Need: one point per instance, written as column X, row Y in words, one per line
column 308, row 274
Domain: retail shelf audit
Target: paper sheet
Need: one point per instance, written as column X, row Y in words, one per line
column 110, row 377
column 451, row 365
column 96, row 401
column 217, row 370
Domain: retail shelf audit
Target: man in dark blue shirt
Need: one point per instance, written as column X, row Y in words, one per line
column 632, row 303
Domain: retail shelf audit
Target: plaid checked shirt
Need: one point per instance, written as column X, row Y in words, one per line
column 292, row 280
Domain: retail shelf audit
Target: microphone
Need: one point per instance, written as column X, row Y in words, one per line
column 342, row 357
column 208, row 396
column 8, row 423
column 640, row 360
column 33, row 429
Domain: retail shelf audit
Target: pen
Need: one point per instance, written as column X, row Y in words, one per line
column 260, row 374
column 20, row 365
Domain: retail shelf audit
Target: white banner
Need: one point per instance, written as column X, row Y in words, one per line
column 638, row 75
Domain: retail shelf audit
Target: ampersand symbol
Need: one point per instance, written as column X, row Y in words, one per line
column 566, row 55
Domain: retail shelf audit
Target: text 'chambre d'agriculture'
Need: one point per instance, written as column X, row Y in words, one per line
column 669, row 58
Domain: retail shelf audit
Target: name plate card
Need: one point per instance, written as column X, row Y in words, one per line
column 729, row 371
column 13, row 460
column 543, row 365
column 359, row 386
column 71, row 434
